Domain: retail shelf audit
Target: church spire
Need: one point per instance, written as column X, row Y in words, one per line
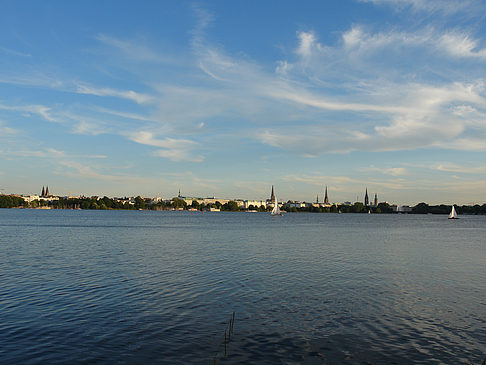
column 43, row 191
column 47, row 190
column 317, row 199
column 326, row 199
column 272, row 196
column 376, row 200
column 366, row 200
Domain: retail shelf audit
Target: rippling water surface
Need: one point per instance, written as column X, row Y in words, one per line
column 159, row 287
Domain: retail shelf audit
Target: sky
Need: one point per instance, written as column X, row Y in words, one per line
column 227, row 98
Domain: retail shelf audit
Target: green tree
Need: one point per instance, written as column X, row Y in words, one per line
column 178, row 203
column 139, row 203
column 231, row 206
column 358, row 207
column 421, row 208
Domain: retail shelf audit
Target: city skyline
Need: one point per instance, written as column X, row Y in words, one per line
column 226, row 99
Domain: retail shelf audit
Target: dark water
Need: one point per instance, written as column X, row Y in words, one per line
column 159, row 287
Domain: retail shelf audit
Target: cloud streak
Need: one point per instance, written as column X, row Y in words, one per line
column 139, row 98
column 173, row 149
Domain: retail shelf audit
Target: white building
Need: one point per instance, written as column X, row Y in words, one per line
column 255, row 203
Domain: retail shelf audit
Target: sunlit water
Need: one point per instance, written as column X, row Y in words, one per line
column 160, row 287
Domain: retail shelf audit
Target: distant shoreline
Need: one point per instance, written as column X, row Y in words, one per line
column 238, row 211
column 179, row 204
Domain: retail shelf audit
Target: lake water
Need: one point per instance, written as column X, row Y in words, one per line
column 135, row 287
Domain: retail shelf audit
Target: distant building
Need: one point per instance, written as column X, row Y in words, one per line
column 272, row 196
column 45, row 192
column 366, row 200
column 295, row 204
column 375, row 202
column 254, row 203
column 404, row 209
column 326, row 198
column 30, row 198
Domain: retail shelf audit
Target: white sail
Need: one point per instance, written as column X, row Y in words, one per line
column 453, row 214
column 276, row 209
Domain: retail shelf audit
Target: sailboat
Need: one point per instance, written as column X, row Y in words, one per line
column 453, row 214
column 276, row 209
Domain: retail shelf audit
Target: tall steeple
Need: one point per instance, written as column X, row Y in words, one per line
column 272, row 196
column 317, row 199
column 47, row 190
column 376, row 200
column 43, row 191
column 326, row 199
column 179, row 195
column 366, row 200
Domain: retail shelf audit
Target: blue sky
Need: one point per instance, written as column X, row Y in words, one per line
column 226, row 98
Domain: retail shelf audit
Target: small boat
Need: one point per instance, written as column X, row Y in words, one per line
column 276, row 209
column 453, row 214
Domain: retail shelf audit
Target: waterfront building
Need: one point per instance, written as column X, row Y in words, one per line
column 375, row 202
column 326, row 198
column 366, row 200
column 30, row 198
column 272, row 196
column 295, row 204
column 254, row 203
column 403, row 209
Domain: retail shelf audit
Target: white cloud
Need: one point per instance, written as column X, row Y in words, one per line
column 454, row 43
column 178, row 155
column 79, row 170
column 135, row 49
column 14, row 52
column 6, row 131
column 446, row 7
column 448, row 167
column 139, row 98
column 41, row 110
column 48, row 153
column 392, row 171
column 173, row 149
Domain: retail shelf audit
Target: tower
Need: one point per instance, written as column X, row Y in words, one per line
column 272, row 196
column 43, row 191
column 47, row 190
column 317, row 199
column 326, row 199
column 366, row 200
column 179, row 195
column 376, row 200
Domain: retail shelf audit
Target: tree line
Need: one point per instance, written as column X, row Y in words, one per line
column 10, row 201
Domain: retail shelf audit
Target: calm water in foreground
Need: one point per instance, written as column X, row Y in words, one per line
column 159, row 287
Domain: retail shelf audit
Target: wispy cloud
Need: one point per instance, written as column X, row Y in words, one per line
column 448, row 167
column 6, row 131
column 446, row 7
column 80, row 170
column 48, row 153
column 14, row 52
column 139, row 98
column 131, row 49
column 42, row 110
column 393, row 171
column 173, row 149
column 454, row 43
